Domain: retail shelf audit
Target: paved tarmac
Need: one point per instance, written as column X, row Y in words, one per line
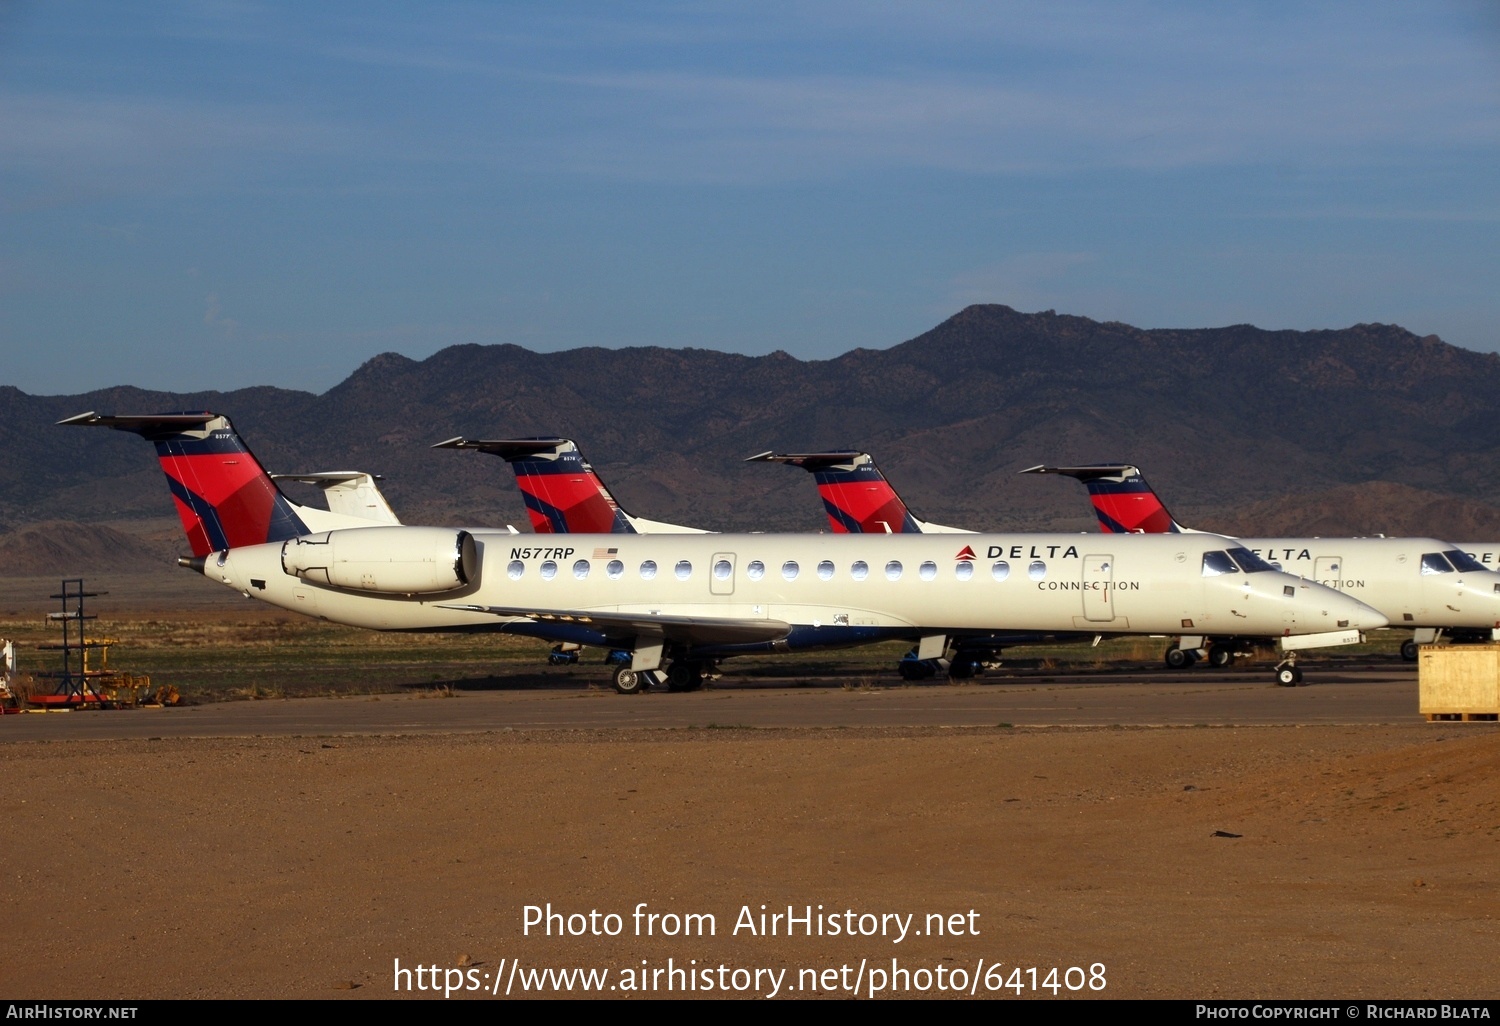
column 1375, row 693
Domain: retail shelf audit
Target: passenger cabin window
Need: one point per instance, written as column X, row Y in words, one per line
column 859, row 570
column 516, row 569
column 1037, row 570
column 1217, row 563
column 581, row 569
column 1000, row 571
column 549, row 570
column 893, row 570
column 927, row 571
column 964, row 570
column 1435, row 563
column 684, row 569
column 722, row 569
column 755, row 570
column 648, row 569
column 789, row 569
column 825, row 570
column 615, row 570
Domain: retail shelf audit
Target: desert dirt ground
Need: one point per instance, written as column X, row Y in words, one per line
column 1363, row 863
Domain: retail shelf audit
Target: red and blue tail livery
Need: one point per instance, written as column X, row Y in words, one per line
column 1123, row 501
column 223, row 495
column 856, row 496
column 562, row 493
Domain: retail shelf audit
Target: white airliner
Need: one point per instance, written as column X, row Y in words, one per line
column 1429, row 585
column 683, row 600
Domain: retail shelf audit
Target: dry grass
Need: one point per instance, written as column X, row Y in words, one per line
column 248, row 652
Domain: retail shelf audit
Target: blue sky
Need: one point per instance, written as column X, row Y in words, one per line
column 215, row 195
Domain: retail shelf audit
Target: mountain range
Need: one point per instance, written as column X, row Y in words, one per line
column 1367, row 429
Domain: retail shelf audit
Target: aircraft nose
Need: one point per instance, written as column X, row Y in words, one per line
column 1358, row 615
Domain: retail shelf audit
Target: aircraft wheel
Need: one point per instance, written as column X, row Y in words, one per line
column 628, row 681
column 1180, row 658
column 1288, row 676
column 1220, row 656
column 684, row 676
column 915, row 669
column 963, row 669
column 1409, row 650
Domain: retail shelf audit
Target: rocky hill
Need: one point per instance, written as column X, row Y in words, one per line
column 1360, row 430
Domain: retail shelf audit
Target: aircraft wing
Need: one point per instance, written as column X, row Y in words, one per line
column 689, row 630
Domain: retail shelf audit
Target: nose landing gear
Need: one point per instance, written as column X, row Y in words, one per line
column 1287, row 673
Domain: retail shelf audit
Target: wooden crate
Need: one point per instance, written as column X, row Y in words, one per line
column 1459, row 682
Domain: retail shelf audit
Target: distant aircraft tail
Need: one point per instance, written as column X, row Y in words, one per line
column 1123, row 501
column 563, row 494
column 856, row 496
column 223, row 495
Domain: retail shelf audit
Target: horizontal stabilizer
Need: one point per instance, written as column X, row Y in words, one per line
column 148, row 424
column 506, row 448
column 810, row 461
column 1096, row 472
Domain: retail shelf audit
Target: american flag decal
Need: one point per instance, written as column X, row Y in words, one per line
column 601, row 553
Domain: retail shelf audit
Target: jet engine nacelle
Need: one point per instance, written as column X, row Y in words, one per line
column 387, row 560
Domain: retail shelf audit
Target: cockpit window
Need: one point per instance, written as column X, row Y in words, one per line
column 1249, row 561
column 1465, row 562
column 1218, row 563
column 1435, row 563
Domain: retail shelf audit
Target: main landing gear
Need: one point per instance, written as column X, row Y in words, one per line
column 1221, row 653
column 680, row 675
column 1180, row 658
column 632, row 682
column 1217, row 654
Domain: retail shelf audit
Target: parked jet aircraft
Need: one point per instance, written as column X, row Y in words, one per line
column 563, row 494
column 1429, row 585
column 686, row 599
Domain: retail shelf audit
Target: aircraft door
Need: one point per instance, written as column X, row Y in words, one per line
column 1098, row 588
column 1329, row 571
column 721, row 574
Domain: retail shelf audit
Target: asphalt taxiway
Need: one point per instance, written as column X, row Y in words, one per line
column 1358, row 694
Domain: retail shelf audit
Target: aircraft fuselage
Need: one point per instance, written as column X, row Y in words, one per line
column 829, row 589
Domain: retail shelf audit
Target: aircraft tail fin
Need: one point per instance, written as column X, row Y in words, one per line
column 1123, row 501
column 856, row 495
column 562, row 493
column 223, row 495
